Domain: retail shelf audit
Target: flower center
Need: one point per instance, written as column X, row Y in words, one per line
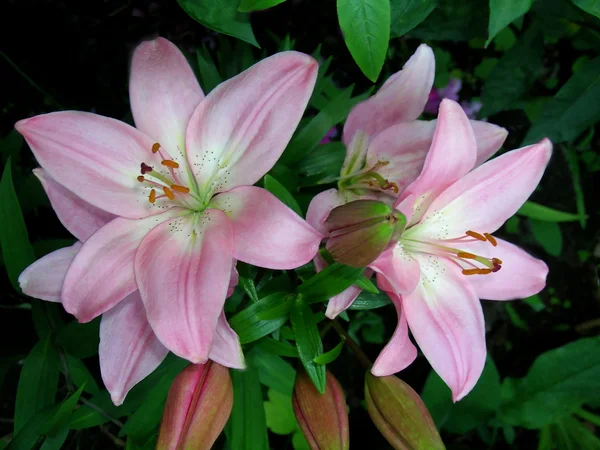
column 470, row 263
column 369, row 179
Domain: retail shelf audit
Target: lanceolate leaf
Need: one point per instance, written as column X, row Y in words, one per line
column 589, row 6
column 279, row 191
column 366, row 28
column 329, row 282
column 262, row 317
column 541, row 212
column 503, row 12
column 407, row 14
column 257, row 5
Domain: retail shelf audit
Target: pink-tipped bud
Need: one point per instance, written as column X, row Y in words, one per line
column 197, row 409
column 361, row 230
column 400, row 414
column 323, row 418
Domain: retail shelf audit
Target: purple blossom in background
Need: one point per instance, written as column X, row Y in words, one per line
column 471, row 108
column 451, row 92
column 328, row 137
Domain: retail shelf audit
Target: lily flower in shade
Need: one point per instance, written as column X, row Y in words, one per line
column 180, row 188
column 447, row 258
column 386, row 147
column 129, row 350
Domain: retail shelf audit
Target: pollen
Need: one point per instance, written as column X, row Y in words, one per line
column 466, row 255
column 155, row 147
column 491, row 239
column 178, row 188
column 169, row 163
column 168, row 192
column 141, row 179
column 477, row 236
column 152, row 197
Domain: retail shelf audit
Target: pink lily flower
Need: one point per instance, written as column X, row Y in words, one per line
column 447, row 258
column 164, row 210
column 386, row 147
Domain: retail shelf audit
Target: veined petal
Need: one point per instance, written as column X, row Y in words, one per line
column 399, row 352
column 400, row 269
column 521, row 274
column 241, row 128
column 44, row 278
column 101, row 274
column 489, row 139
column 164, row 93
column 97, row 157
column 226, row 348
column 320, row 207
column 401, row 99
column 446, row 320
column 452, row 154
column 266, row 233
column 129, row 351
column 182, row 268
column 485, row 198
column 78, row 216
column 234, row 280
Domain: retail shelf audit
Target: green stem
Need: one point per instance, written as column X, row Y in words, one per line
column 360, row 355
column 590, row 417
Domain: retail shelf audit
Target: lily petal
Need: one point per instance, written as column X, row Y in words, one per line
column 241, row 128
column 400, row 269
column 400, row 352
column 401, row 99
column 129, row 351
column 44, row 278
column 320, row 207
column 226, row 348
column 521, row 275
column 266, row 233
column 77, row 215
column 182, row 268
column 489, row 139
column 101, row 274
column 164, row 93
column 97, row 157
column 485, row 198
column 446, row 320
column 452, row 154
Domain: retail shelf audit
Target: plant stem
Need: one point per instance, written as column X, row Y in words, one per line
column 360, row 355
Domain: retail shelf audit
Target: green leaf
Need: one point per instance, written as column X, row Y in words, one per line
column 31, row 432
column 209, row 75
column 16, row 248
column 308, row 341
column 454, row 21
column 329, row 282
column 331, row 355
column 558, row 382
column 515, row 73
column 546, row 214
column 257, row 5
column 80, row 375
column 322, row 164
column 277, row 189
column 38, row 382
column 503, row 12
column 407, row 14
column 248, row 323
column 63, row 414
column 366, row 301
column 273, row 371
column 364, row 283
column 279, row 413
column 573, row 109
column 270, row 345
column 548, row 235
column 589, row 6
column 221, row 16
column 80, row 339
column 247, row 423
column 366, row 28
column 573, row 162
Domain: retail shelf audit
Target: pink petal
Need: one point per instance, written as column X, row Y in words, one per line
column 242, row 127
column 234, row 280
column 129, row 351
column 400, row 269
column 182, row 268
column 44, row 278
column 266, row 233
column 401, row 99
column 164, row 93
column 77, row 215
column 521, row 274
column 485, row 198
column 101, row 274
column 226, row 348
column 399, row 352
column 320, row 207
column 452, row 154
column 489, row 139
column 94, row 156
column 446, row 320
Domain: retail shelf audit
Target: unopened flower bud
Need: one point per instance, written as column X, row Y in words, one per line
column 323, row 418
column 197, row 409
column 361, row 230
column 400, row 414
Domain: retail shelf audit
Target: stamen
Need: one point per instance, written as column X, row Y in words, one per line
column 178, row 188
column 470, row 271
column 141, row 179
column 390, row 185
column 169, row 163
column 168, row 192
column 484, row 271
column 497, row 267
column 155, row 147
column 145, row 168
column 491, row 239
column 152, row 197
column 477, row 236
column 466, row 255
column 496, row 261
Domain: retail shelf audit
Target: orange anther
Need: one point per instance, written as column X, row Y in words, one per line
column 155, row 147
column 141, row 179
column 178, row 188
column 484, row 271
column 492, row 240
column 470, row 271
column 496, row 260
column 169, row 163
column 169, row 193
column 477, row 236
column 466, row 255
column 152, row 197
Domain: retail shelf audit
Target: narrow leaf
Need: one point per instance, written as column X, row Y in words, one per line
column 257, row 5
column 279, row 191
column 250, row 327
column 548, row 235
column 503, row 12
column 589, row 6
column 273, row 371
column 329, row 282
column 541, row 212
column 331, row 355
column 63, row 414
column 209, row 75
column 407, row 14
